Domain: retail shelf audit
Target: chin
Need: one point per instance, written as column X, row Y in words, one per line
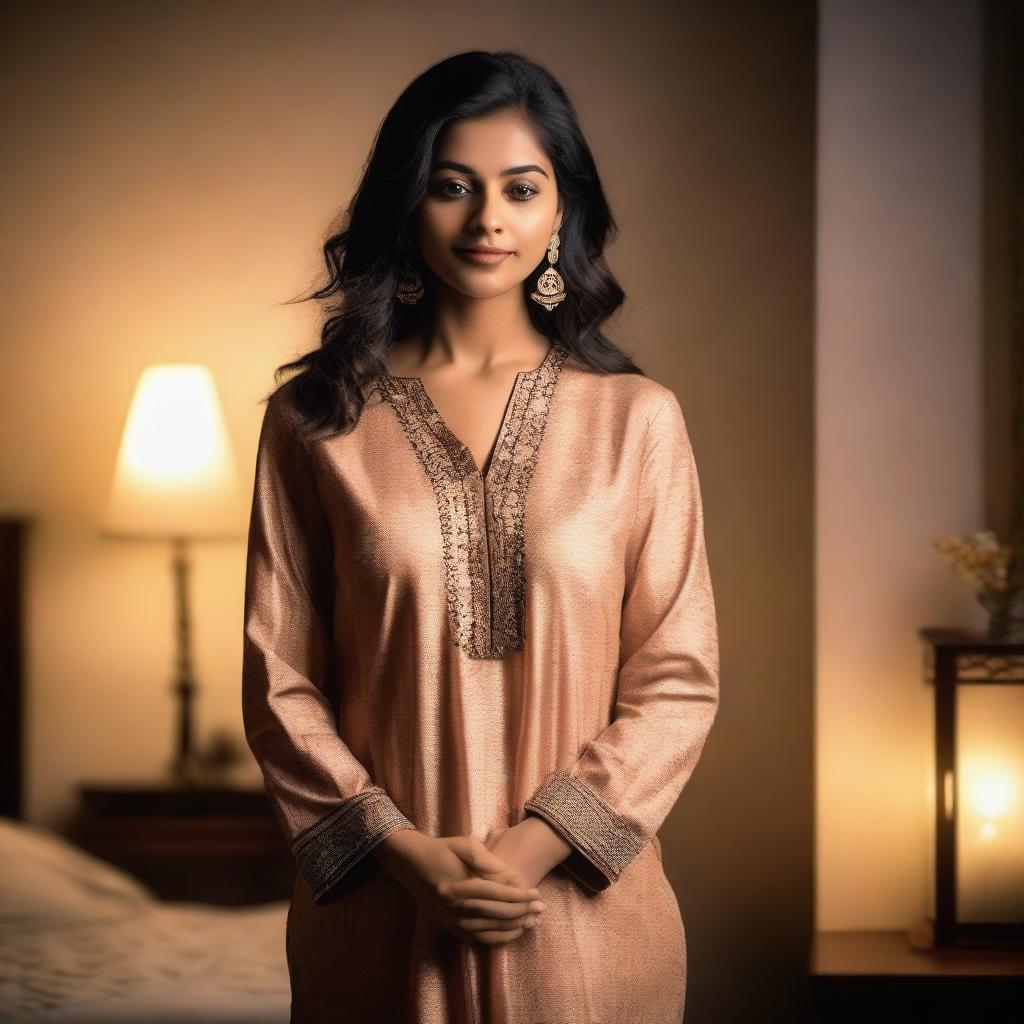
column 477, row 289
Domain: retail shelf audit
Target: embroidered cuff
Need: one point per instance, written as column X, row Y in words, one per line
column 329, row 848
column 603, row 842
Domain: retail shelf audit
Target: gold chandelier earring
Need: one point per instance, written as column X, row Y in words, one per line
column 410, row 287
column 550, row 286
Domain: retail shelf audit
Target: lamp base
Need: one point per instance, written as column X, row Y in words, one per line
column 187, row 770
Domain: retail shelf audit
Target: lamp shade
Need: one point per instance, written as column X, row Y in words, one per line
column 175, row 473
column 977, row 806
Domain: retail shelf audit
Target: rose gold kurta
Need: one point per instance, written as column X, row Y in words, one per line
column 429, row 648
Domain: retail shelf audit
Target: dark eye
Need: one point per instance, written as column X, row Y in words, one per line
column 441, row 188
column 530, row 191
column 520, row 191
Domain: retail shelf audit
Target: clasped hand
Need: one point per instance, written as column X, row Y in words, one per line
column 482, row 892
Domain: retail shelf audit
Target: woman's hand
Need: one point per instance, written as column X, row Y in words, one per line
column 532, row 846
column 462, row 885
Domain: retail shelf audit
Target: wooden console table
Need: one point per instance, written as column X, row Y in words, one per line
column 876, row 976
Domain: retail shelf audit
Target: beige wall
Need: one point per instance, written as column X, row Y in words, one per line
column 899, row 427
column 175, row 166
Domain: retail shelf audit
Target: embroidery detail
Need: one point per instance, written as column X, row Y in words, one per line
column 481, row 517
column 326, row 850
column 603, row 841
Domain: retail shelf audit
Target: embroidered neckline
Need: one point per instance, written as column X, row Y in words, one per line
column 481, row 516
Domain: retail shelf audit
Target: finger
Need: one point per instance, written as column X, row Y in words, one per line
column 486, row 864
column 498, row 938
column 475, row 855
column 484, row 938
column 489, row 924
column 485, row 888
column 499, row 909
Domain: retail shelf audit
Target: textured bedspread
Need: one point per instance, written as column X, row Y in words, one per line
column 167, row 962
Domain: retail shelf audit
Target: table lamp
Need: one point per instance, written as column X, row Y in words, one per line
column 977, row 876
column 176, row 480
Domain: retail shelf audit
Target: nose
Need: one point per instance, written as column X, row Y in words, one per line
column 487, row 216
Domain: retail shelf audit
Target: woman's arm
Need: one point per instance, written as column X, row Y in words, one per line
column 532, row 846
column 330, row 810
column 612, row 801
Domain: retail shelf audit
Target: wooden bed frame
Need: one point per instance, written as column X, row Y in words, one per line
column 14, row 533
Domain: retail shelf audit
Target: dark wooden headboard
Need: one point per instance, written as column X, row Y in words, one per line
column 13, row 547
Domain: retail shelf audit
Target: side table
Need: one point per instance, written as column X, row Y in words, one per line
column 217, row 845
column 876, row 976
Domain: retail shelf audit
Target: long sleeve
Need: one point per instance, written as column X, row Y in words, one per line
column 330, row 810
column 613, row 800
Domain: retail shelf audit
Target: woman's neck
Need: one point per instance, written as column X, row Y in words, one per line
column 478, row 334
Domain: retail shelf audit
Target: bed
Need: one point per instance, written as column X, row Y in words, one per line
column 83, row 942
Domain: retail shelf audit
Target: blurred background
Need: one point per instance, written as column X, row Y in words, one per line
column 819, row 213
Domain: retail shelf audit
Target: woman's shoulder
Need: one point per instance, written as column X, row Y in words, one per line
column 280, row 413
column 287, row 413
column 287, row 425
column 630, row 394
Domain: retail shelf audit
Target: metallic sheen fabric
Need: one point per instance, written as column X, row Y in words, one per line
column 428, row 647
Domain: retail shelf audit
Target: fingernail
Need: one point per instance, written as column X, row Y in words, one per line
column 530, row 922
column 537, row 906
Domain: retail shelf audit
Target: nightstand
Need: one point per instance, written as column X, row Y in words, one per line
column 876, row 976
column 208, row 844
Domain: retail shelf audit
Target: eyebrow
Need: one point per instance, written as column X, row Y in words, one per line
column 466, row 169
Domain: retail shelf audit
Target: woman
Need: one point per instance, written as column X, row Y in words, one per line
column 481, row 655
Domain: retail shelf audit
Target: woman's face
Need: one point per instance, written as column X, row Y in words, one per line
column 491, row 185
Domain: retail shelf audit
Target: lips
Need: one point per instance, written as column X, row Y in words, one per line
column 483, row 257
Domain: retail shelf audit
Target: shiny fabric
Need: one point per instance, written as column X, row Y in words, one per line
column 428, row 647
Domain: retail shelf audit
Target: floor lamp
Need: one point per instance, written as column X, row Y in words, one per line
column 175, row 481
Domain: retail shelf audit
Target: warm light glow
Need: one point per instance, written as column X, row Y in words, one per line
column 175, row 471
column 991, row 794
column 989, row 809
column 171, row 436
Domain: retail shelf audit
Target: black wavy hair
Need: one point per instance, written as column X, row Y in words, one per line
column 367, row 251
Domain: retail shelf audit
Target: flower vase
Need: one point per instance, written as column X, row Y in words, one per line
column 1006, row 616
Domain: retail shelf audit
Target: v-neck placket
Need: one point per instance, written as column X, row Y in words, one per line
column 481, row 515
